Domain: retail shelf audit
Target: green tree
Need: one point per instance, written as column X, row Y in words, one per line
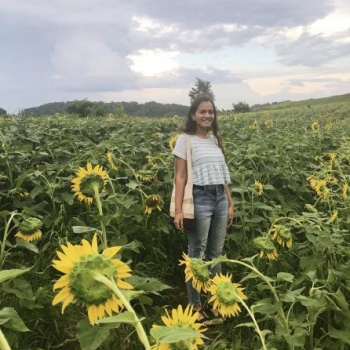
column 241, row 107
column 82, row 108
column 201, row 87
column 2, row 112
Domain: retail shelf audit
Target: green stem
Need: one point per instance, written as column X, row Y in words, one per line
column 3, row 244
column 251, row 314
column 100, row 211
column 138, row 326
column 263, row 277
column 4, row 345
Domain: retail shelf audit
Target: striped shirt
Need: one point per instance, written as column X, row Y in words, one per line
column 208, row 161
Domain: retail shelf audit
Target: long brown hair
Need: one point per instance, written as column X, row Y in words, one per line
column 190, row 124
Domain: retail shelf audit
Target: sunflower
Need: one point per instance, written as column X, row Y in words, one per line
column 259, row 187
column 198, row 271
column 185, row 319
column 152, row 203
column 173, row 140
column 268, row 124
column 314, row 126
column 110, row 159
column 88, row 182
column 282, row 235
column 320, row 186
column 254, row 125
column 226, row 295
column 266, row 247
column 79, row 264
column 321, row 189
column 29, row 229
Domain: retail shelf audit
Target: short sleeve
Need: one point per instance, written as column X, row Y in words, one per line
column 180, row 147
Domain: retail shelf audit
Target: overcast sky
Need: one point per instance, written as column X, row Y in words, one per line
column 152, row 50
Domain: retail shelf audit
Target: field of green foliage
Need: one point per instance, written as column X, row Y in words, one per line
column 68, row 185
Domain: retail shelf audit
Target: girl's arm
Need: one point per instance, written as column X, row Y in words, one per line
column 180, row 182
column 230, row 206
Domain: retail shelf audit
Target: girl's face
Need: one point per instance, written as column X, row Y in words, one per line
column 204, row 115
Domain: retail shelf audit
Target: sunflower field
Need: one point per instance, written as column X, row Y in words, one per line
column 88, row 259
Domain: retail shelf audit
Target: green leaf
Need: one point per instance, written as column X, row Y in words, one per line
column 84, row 229
column 91, row 337
column 344, row 336
column 291, row 296
column 264, row 307
column 173, row 334
column 19, row 287
column 9, row 274
column 124, row 317
column 9, row 318
column 284, row 276
column 263, row 206
column 132, row 185
column 298, row 337
column 67, row 197
column 148, row 284
column 27, row 245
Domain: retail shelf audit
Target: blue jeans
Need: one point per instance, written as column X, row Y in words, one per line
column 206, row 239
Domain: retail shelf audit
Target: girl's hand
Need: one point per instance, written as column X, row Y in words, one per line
column 230, row 216
column 179, row 221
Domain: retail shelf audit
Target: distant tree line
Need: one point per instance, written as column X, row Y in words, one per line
column 84, row 108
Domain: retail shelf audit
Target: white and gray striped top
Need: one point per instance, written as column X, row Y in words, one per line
column 208, row 162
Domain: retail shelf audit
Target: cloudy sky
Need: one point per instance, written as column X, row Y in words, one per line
column 152, row 50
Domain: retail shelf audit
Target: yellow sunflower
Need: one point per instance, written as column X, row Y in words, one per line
column 314, row 126
column 173, row 140
column 88, row 182
column 185, row 319
column 268, row 124
column 282, row 235
column 152, row 203
column 29, row 229
column 266, row 247
column 226, row 295
column 110, row 159
column 198, row 271
column 259, row 187
column 79, row 264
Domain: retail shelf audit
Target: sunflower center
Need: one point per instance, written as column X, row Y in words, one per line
column 227, row 293
column 82, row 282
column 90, row 182
column 200, row 270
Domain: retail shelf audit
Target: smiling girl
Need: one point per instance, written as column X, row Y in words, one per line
column 213, row 205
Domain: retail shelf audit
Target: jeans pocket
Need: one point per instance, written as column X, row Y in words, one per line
column 197, row 190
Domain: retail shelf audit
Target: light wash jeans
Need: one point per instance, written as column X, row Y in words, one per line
column 206, row 240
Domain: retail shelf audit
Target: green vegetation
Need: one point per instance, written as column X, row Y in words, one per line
column 148, row 109
column 304, row 103
column 2, row 112
column 201, row 87
column 241, row 107
column 288, row 247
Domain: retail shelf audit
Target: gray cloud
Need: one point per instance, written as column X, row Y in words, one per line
column 195, row 14
column 314, row 50
column 70, row 47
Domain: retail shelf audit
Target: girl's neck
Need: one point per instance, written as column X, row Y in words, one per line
column 202, row 133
